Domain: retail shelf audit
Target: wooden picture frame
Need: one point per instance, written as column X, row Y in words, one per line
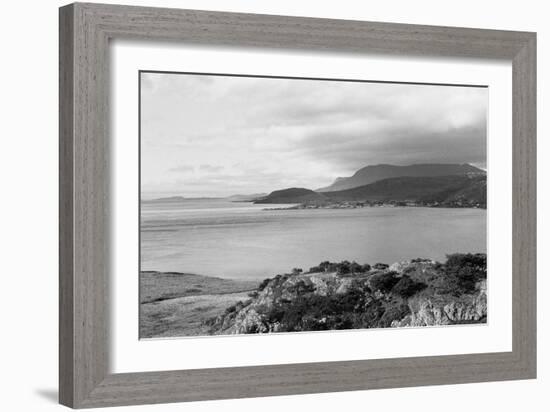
column 85, row 31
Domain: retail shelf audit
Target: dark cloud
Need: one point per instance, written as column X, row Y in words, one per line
column 408, row 146
column 218, row 134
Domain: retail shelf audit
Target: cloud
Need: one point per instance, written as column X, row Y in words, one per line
column 354, row 149
column 258, row 134
column 182, row 169
column 210, row 168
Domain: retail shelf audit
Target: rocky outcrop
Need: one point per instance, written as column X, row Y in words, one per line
column 447, row 310
column 419, row 292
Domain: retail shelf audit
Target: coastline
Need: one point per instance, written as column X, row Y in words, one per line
column 178, row 304
column 377, row 204
column 330, row 296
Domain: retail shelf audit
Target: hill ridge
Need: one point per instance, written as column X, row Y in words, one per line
column 373, row 173
column 452, row 191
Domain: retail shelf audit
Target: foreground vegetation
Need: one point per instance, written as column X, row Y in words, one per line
column 179, row 304
column 348, row 295
column 328, row 296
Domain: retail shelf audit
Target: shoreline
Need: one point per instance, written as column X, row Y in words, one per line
column 178, row 304
column 181, row 304
column 362, row 205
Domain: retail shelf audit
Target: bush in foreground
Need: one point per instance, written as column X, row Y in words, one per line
column 406, row 287
column 373, row 299
column 384, row 282
column 460, row 273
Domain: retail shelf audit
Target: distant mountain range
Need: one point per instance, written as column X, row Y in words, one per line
column 167, row 199
column 436, row 184
column 440, row 190
column 233, row 198
column 245, row 198
column 444, row 185
column 292, row 195
column 425, row 189
column 374, row 173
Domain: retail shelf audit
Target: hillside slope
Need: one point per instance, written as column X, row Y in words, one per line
column 374, row 173
column 440, row 189
column 347, row 295
column 292, row 195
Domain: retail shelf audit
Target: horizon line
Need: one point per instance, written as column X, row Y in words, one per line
column 175, row 195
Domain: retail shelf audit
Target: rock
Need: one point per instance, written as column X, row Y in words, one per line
column 449, row 309
column 353, row 302
column 344, row 287
column 412, row 265
column 249, row 321
column 405, row 322
column 321, row 286
column 399, row 266
column 428, row 314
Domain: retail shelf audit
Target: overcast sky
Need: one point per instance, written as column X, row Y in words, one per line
column 217, row 136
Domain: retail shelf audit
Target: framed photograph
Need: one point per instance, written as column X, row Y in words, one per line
column 257, row 205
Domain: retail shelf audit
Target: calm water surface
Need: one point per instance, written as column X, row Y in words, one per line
column 241, row 240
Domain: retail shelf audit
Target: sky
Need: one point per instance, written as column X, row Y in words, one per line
column 215, row 136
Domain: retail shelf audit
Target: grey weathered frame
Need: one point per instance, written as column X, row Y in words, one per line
column 85, row 31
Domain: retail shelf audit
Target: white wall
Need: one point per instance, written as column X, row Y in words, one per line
column 28, row 96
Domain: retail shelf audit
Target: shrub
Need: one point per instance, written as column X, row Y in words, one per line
column 361, row 284
column 409, row 269
column 467, row 268
column 355, row 267
column 324, row 266
column 384, row 282
column 296, row 271
column 352, row 310
column 314, row 312
column 460, row 273
column 301, row 288
column 343, row 268
column 394, row 312
column 444, row 284
column 371, row 314
column 264, row 283
column 406, row 287
column 343, row 321
column 234, row 308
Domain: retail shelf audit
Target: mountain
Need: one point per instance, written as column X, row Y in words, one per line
column 428, row 189
column 454, row 190
column 167, row 199
column 246, row 198
column 374, row 173
column 177, row 199
column 292, row 195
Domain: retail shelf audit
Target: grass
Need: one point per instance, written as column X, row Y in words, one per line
column 159, row 286
column 177, row 304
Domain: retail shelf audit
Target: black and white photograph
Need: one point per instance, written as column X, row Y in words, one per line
column 276, row 204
